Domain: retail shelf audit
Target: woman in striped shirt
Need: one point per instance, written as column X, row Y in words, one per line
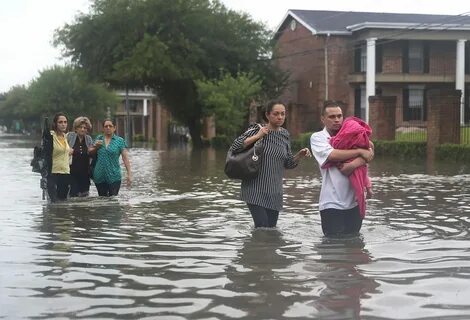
column 263, row 194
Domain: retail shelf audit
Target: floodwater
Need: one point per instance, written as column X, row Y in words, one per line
column 180, row 245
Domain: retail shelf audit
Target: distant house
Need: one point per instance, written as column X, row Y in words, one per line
column 148, row 119
column 350, row 56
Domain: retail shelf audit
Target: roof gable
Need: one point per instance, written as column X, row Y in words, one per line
column 346, row 22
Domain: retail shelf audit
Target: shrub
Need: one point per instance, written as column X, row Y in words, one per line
column 456, row 152
column 138, row 137
column 301, row 141
column 400, row 148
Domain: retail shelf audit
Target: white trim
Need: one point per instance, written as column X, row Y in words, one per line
column 137, row 94
column 345, row 33
column 460, row 76
column 403, row 25
column 145, row 108
column 302, row 22
column 370, row 74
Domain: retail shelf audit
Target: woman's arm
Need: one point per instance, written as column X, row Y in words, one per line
column 94, row 147
column 246, row 139
column 305, row 152
column 261, row 133
column 127, row 164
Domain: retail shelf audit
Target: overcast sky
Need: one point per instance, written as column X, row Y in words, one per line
column 27, row 26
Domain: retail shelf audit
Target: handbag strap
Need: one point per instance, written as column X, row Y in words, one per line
column 256, row 128
column 257, row 141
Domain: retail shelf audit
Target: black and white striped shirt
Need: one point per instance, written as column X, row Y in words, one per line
column 266, row 189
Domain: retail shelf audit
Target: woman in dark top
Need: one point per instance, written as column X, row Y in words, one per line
column 82, row 145
column 263, row 194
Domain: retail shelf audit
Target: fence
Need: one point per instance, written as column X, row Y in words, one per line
column 411, row 125
column 465, row 134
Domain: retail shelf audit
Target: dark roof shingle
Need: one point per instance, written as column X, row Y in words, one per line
column 338, row 21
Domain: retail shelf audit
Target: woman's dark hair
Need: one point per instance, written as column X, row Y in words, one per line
column 56, row 118
column 107, row 119
column 269, row 107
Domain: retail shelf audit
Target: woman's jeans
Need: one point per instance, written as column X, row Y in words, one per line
column 58, row 186
column 263, row 217
column 108, row 189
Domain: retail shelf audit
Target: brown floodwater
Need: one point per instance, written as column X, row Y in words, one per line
column 180, row 245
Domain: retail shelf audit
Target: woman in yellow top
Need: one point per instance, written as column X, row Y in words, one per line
column 58, row 181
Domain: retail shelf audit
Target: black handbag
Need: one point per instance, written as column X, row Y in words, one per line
column 244, row 165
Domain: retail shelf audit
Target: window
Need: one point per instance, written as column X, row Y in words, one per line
column 467, row 107
column 360, row 59
column 415, row 57
column 134, row 105
column 362, row 115
column 363, row 59
column 414, row 104
column 467, row 58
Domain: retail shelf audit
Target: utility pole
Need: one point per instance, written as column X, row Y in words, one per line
column 128, row 123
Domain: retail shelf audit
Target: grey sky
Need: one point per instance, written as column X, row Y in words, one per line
column 27, row 26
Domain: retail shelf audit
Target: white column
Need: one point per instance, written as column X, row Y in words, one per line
column 460, row 76
column 370, row 73
column 145, row 112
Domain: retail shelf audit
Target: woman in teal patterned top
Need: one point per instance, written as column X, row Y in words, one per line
column 107, row 171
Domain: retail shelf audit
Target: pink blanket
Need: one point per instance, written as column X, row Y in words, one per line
column 355, row 133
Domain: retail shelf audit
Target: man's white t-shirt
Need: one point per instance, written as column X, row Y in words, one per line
column 336, row 190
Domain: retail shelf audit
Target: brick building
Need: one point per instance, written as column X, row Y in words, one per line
column 147, row 117
column 351, row 56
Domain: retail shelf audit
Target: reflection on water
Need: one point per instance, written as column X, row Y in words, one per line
column 180, row 245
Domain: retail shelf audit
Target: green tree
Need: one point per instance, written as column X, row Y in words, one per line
column 60, row 88
column 168, row 45
column 227, row 99
column 16, row 105
column 69, row 90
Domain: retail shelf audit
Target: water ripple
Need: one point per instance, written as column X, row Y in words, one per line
column 180, row 245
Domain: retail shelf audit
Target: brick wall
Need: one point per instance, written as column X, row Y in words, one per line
column 382, row 117
column 443, row 125
column 302, row 55
column 442, row 57
column 392, row 57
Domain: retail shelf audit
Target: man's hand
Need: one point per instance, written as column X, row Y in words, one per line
column 347, row 168
column 367, row 154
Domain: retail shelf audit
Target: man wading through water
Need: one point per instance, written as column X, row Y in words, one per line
column 339, row 209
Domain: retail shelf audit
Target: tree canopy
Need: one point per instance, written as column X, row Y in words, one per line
column 168, row 45
column 60, row 88
column 227, row 98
